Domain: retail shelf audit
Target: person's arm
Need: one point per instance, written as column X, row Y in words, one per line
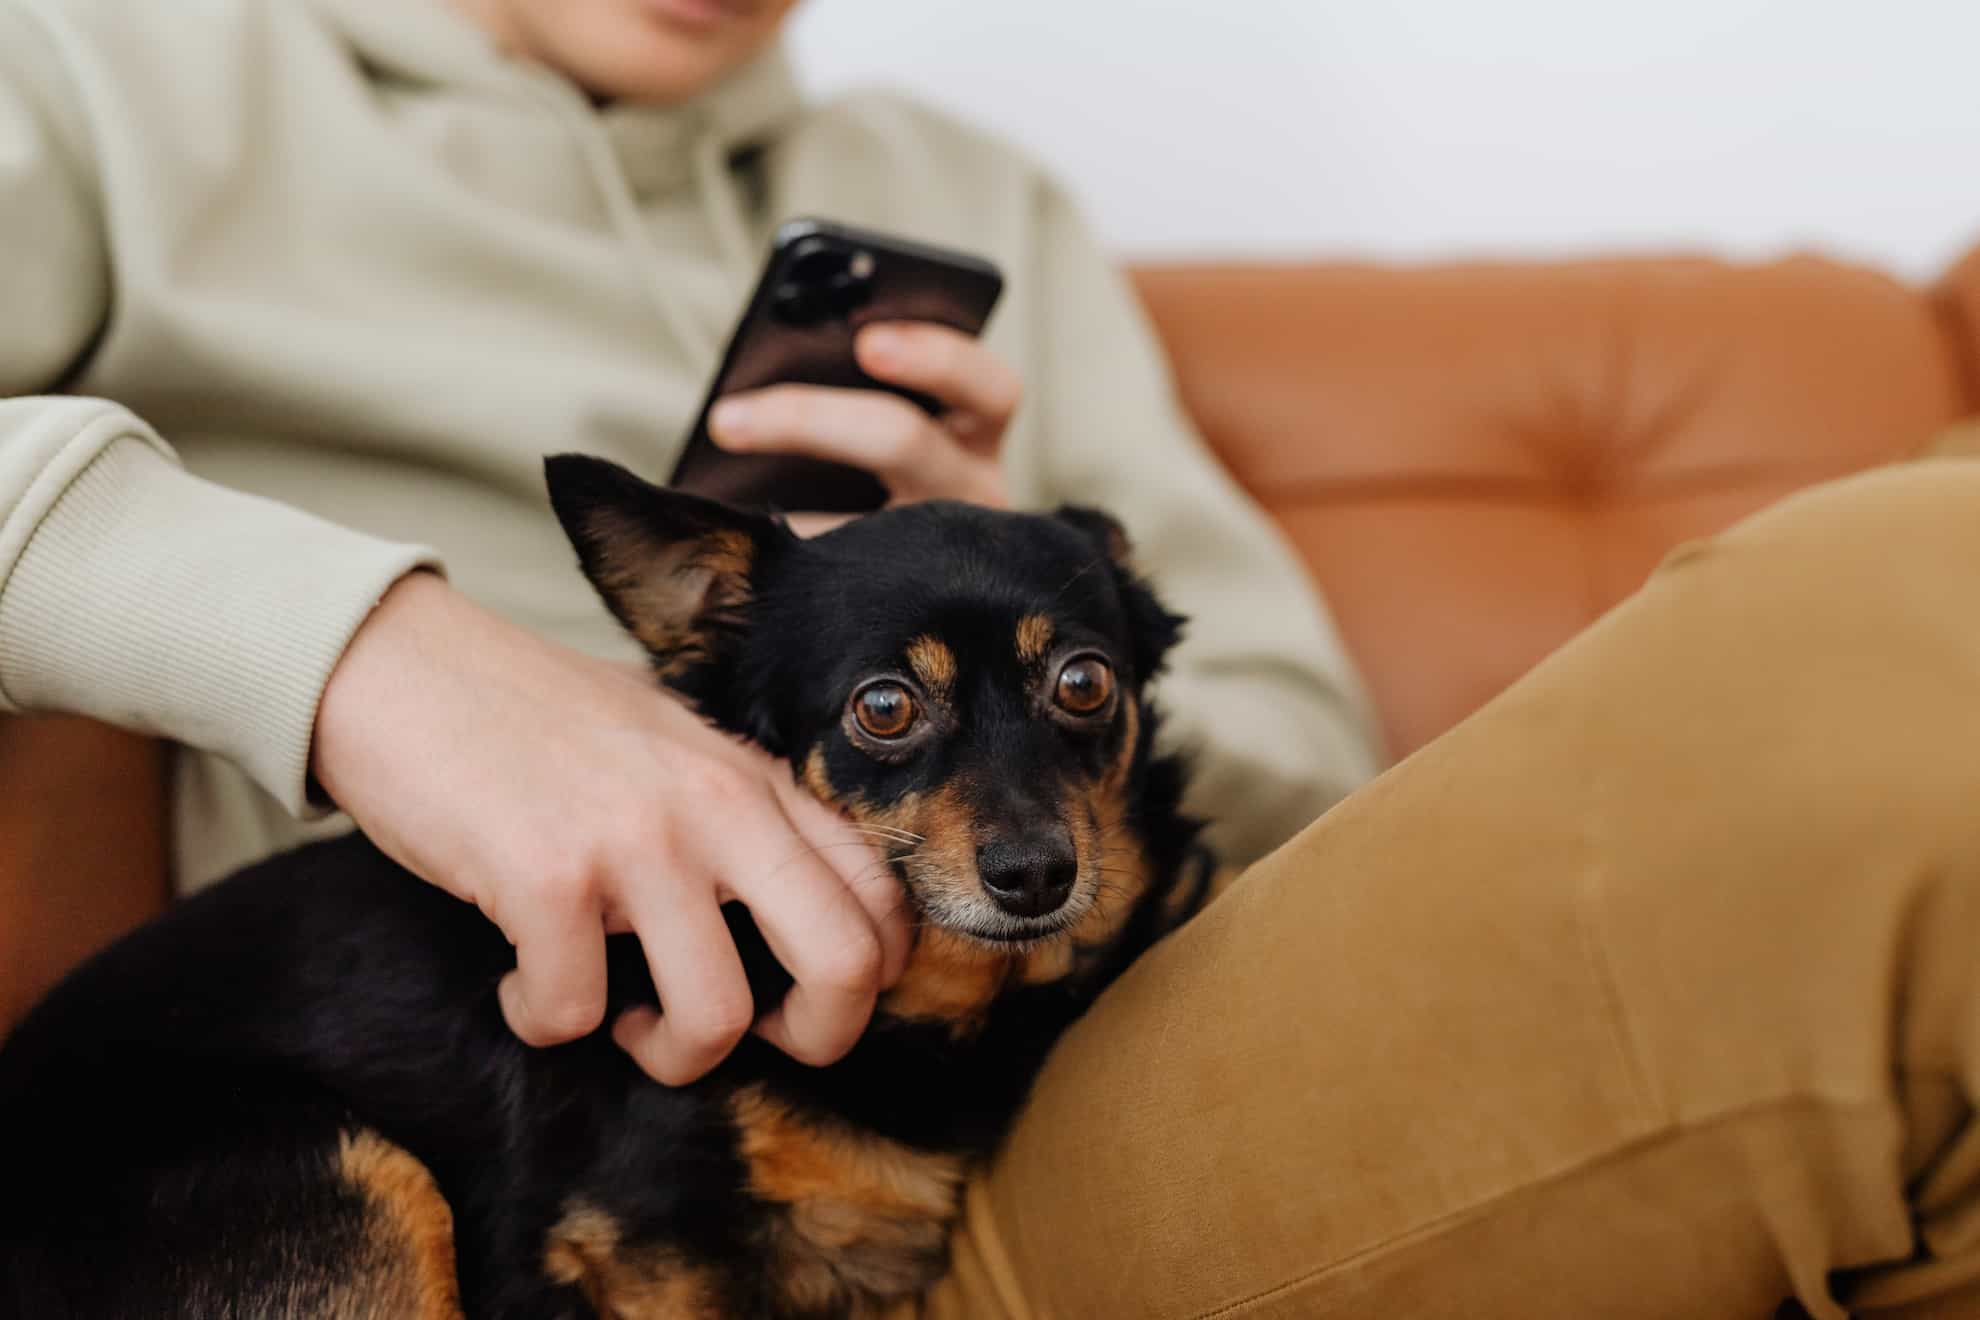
column 554, row 792
column 130, row 590
column 1261, row 687
column 136, row 593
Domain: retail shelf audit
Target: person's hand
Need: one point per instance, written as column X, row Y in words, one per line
column 952, row 455
column 565, row 798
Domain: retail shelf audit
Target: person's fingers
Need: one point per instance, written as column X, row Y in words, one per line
column 974, row 383
column 830, row 950
column 818, row 931
column 885, row 434
column 557, row 992
column 704, row 997
column 860, row 859
column 856, row 855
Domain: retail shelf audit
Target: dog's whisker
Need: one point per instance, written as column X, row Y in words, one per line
column 821, row 847
column 893, row 831
column 903, row 840
column 813, row 850
column 886, row 829
column 1085, row 568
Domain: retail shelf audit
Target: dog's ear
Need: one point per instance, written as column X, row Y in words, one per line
column 1155, row 629
column 676, row 569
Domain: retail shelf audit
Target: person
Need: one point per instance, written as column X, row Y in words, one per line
column 1646, row 992
column 321, row 281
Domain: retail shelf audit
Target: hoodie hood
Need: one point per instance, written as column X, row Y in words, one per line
column 426, row 42
column 647, row 160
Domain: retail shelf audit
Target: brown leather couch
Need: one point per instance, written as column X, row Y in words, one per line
column 1474, row 460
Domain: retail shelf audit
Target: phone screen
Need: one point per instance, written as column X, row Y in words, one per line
column 822, row 284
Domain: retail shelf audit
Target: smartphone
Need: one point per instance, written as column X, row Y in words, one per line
column 822, row 283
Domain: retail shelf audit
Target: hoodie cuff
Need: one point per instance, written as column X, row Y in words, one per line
column 153, row 600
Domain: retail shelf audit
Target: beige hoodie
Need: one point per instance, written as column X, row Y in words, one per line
column 320, row 281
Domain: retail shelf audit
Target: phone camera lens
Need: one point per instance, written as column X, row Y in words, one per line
column 797, row 304
column 824, row 282
column 851, row 286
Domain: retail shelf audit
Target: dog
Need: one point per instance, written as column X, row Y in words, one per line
column 294, row 1093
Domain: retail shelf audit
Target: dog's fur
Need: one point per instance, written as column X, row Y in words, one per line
column 295, row 1095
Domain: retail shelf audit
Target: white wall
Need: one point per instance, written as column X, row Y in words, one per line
column 1422, row 128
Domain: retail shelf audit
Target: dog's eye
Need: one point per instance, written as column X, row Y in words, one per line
column 1085, row 685
column 884, row 709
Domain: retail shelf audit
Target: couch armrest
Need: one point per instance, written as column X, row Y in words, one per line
column 82, row 847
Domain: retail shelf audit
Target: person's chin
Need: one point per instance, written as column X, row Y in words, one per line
column 701, row 18
column 664, row 70
column 659, row 59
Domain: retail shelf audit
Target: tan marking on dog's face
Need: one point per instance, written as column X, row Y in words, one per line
column 886, row 825
column 1114, row 782
column 866, row 1220
column 941, row 868
column 815, row 779
column 949, row 978
column 585, row 1248
column 934, row 664
column 409, row 1230
column 1034, row 636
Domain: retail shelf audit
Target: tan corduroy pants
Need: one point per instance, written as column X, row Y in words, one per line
column 1653, row 990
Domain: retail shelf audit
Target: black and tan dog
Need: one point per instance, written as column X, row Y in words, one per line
column 294, row 1094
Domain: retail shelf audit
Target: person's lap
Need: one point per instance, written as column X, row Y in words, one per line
column 1643, row 992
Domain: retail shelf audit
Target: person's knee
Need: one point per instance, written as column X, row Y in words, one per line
column 1842, row 625
column 1921, row 517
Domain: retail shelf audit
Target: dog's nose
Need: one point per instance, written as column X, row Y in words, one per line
column 1030, row 874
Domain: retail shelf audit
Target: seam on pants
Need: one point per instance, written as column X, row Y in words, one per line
column 1455, row 1219
column 1649, row 1097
